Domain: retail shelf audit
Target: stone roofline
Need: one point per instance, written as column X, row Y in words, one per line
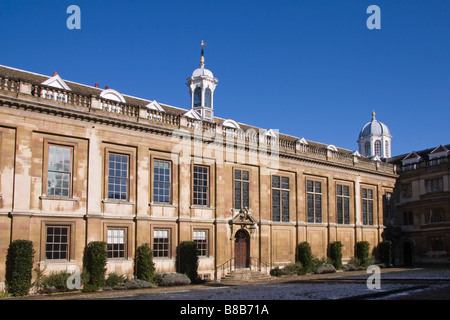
column 42, row 98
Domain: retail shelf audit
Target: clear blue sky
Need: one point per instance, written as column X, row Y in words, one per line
column 309, row 68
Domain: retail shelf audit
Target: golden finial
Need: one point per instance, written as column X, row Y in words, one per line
column 373, row 114
column 202, row 59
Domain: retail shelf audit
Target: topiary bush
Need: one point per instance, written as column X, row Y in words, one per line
column 19, row 266
column 188, row 260
column 304, row 256
column 94, row 262
column 385, row 249
column 336, row 254
column 363, row 254
column 145, row 268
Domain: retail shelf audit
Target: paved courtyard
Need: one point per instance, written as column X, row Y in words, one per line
column 393, row 285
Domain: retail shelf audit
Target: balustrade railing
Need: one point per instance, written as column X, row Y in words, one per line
column 10, row 85
column 60, row 95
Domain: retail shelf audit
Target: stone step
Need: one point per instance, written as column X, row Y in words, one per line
column 245, row 276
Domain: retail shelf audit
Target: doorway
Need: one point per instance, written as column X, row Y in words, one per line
column 242, row 249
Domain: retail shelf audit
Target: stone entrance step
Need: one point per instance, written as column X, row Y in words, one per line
column 245, row 276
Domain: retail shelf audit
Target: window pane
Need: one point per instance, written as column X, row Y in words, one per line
column 276, row 205
column 57, row 245
column 285, row 205
column 201, row 191
column 118, row 177
column 59, row 171
column 275, row 182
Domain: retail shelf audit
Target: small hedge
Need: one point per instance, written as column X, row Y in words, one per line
column 145, row 268
column 288, row 270
column 55, row 281
column 363, row 254
column 94, row 262
column 19, row 266
column 171, row 279
column 188, row 260
column 304, row 256
column 336, row 254
column 385, row 249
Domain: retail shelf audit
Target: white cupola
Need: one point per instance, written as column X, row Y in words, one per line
column 202, row 85
column 375, row 139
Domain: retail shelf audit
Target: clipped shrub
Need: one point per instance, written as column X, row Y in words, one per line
column 145, row 268
column 363, row 254
column 94, row 262
column 171, row 279
column 188, row 260
column 19, row 266
column 385, row 249
column 304, row 256
column 336, row 254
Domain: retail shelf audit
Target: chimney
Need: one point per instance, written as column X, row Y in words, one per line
column 55, row 73
column 96, row 84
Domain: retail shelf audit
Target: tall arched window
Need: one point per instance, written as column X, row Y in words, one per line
column 208, row 96
column 386, row 149
column 378, row 148
column 197, row 97
column 367, row 149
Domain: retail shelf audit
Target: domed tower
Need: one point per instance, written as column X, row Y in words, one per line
column 202, row 85
column 375, row 139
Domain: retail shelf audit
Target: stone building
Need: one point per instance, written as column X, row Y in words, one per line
column 420, row 227
column 80, row 164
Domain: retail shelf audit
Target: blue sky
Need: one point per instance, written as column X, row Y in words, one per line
column 309, row 68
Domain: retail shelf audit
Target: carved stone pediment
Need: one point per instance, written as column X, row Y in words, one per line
column 243, row 218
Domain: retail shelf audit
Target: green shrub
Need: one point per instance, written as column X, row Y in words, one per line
column 171, row 279
column 288, row 270
column 19, row 266
column 385, row 249
column 363, row 254
column 145, row 268
column 113, row 279
column 316, row 263
column 304, row 255
column 188, row 260
column 336, row 254
column 57, row 280
column 94, row 261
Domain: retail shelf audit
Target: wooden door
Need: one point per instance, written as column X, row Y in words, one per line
column 241, row 249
